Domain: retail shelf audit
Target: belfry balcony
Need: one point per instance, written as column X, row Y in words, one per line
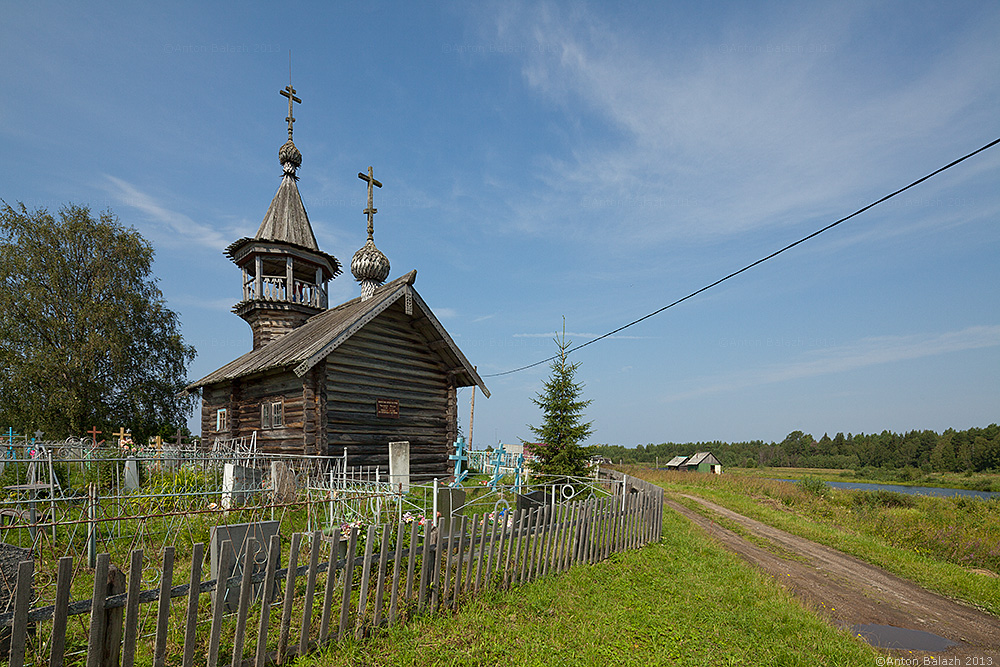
column 284, row 281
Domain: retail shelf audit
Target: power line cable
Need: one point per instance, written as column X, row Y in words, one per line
column 759, row 261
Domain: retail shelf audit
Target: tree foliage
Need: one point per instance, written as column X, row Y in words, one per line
column 85, row 336
column 562, row 429
column 972, row 450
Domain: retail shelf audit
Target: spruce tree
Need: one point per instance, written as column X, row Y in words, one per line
column 559, row 451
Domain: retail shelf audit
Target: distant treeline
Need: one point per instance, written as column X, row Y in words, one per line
column 976, row 450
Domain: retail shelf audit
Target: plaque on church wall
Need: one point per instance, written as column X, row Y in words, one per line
column 387, row 407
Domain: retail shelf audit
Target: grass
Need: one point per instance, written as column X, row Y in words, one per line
column 939, row 543
column 908, row 476
column 682, row 601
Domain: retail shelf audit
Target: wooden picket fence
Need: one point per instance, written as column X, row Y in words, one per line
column 439, row 569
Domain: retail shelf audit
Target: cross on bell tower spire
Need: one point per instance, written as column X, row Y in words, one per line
column 289, row 92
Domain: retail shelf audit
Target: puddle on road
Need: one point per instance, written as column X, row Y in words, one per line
column 888, row 636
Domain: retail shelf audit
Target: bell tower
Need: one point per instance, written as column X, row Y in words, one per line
column 285, row 274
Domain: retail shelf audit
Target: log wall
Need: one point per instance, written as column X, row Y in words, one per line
column 390, row 359
column 242, row 398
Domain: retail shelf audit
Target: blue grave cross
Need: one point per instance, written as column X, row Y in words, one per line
column 497, row 463
column 459, row 457
column 517, row 473
column 10, row 443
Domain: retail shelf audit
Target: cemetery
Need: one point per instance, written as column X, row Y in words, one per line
column 98, row 539
column 330, row 493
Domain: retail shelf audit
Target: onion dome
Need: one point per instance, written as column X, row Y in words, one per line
column 289, row 157
column 370, row 268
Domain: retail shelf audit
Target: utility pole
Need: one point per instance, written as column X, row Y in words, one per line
column 472, row 412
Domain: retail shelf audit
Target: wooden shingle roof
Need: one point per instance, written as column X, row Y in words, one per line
column 306, row 346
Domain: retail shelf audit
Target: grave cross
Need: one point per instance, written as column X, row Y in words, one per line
column 371, row 210
column 289, row 92
column 94, row 433
column 497, row 464
column 120, row 434
column 459, row 457
column 178, row 438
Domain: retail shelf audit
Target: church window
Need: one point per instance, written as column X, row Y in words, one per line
column 221, row 423
column 272, row 414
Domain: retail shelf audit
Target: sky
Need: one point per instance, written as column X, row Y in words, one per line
column 566, row 162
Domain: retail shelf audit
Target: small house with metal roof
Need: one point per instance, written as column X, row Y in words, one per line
column 676, row 462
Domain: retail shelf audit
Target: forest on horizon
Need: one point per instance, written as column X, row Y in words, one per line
column 971, row 450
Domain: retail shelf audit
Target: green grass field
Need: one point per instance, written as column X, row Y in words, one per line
column 685, row 601
column 948, row 545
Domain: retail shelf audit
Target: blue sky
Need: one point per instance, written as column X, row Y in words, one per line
column 552, row 159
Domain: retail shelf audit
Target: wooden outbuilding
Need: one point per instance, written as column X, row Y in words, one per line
column 702, row 462
column 376, row 369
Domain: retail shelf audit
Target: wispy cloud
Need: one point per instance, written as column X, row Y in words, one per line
column 174, row 226
column 732, row 136
column 862, row 354
column 446, row 313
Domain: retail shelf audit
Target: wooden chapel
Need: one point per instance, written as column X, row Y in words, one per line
column 376, row 369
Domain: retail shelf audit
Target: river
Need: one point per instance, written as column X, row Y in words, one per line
column 913, row 490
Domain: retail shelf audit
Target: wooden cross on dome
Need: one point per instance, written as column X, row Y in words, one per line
column 371, row 210
column 289, row 92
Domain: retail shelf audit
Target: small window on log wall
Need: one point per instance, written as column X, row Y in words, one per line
column 272, row 414
column 221, row 423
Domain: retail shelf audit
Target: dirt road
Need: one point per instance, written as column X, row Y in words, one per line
column 850, row 592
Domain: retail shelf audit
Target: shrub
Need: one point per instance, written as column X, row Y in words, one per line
column 814, row 487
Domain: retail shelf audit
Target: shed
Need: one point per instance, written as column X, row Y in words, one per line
column 676, row 462
column 703, row 462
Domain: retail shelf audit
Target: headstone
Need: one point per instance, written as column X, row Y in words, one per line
column 256, row 536
column 282, row 482
column 449, row 500
column 533, row 499
column 239, row 483
column 399, row 466
column 10, row 558
column 131, row 474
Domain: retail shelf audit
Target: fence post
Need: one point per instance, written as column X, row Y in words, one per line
column 113, row 622
column 64, row 580
column 434, row 518
column 91, row 526
column 22, row 599
column 95, row 643
column 163, row 608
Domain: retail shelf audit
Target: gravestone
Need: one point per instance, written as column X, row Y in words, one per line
column 283, row 484
column 399, row 466
column 131, row 475
column 242, row 536
column 449, row 500
column 239, row 483
column 10, row 558
column 533, row 499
